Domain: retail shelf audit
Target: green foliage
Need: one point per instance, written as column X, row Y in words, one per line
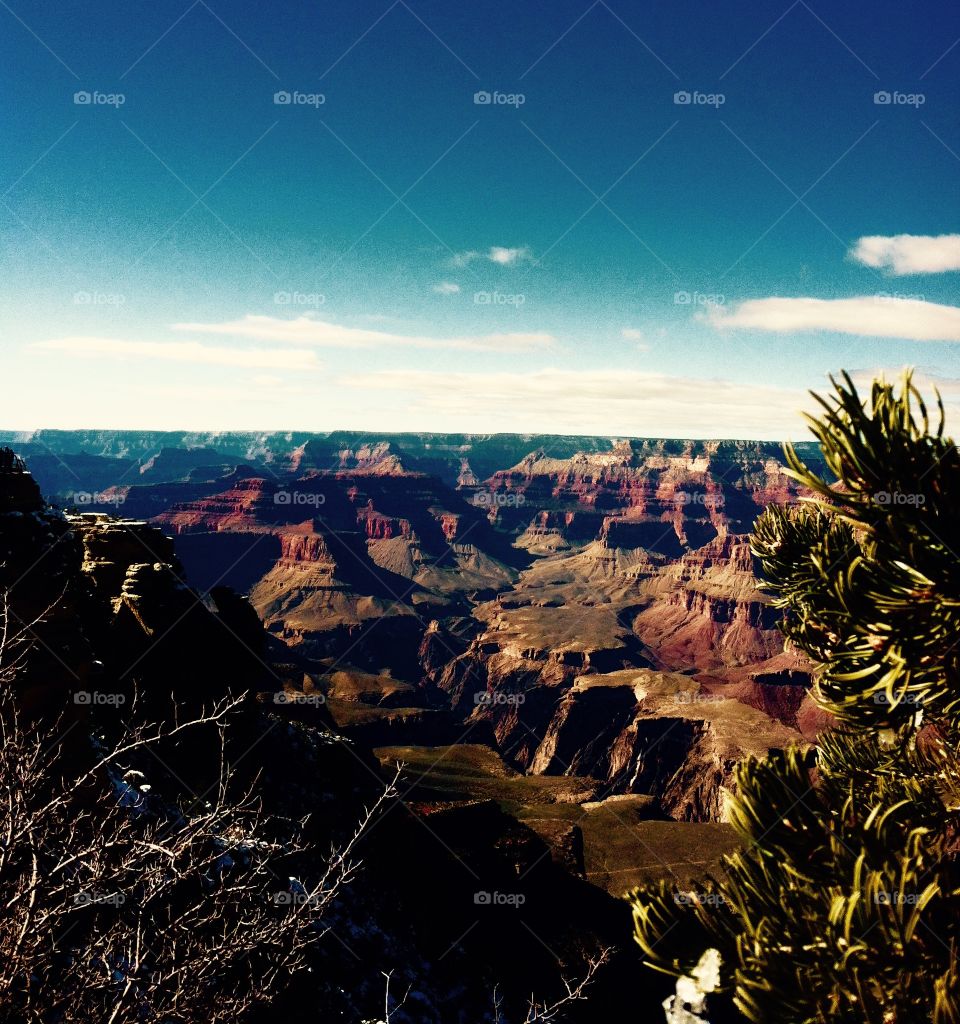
column 844, row 902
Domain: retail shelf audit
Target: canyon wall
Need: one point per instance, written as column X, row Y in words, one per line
column 511, row 588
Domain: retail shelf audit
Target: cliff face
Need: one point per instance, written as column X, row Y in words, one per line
column 112, row 605
column 493, row 576
column 705, row 610
column 556, row 668
column 657, row 733
column 43, row 595
column 702, row 487
column 351, row 549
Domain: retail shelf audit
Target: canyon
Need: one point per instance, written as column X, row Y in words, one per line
column 572, row 622
column 560, row 641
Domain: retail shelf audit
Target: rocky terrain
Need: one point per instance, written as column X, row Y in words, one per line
column 581, row 612
column 117, row 627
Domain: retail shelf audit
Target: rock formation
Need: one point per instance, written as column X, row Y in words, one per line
column 504, row 587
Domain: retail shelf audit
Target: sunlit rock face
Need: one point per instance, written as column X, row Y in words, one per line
column 505, row 582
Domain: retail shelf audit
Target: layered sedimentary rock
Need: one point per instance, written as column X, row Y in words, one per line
column 695, row 490
column 349, row 550
column 118, row 612
column 657, row 733
column 492, row 577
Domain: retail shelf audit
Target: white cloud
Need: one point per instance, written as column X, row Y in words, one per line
column 636, row 336
column 183, row 352
column 909, row 254
column 877, row 315
column 615, row 401
column 446, row 288
column 500, row 254
column 309, row 331
column 507, row 257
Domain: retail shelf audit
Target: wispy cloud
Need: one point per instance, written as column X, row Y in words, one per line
column 309, row 331
column 925, row 378
column 877, row 315
column 614, row 401
column 446, row 288
column 499, row 254
column 182, row 352
column 909, row 254
column 636, row 336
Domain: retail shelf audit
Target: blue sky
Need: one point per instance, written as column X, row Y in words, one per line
column 584, row 253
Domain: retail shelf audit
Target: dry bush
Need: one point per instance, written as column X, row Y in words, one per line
column 121, row 906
